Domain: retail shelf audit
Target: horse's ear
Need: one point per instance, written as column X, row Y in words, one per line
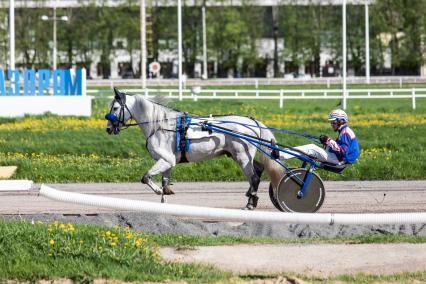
column 119, row 96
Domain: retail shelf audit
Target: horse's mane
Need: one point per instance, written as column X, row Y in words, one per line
column 162, row 116
column 160, row 100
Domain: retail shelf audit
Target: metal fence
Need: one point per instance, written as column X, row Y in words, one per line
column 280, row 95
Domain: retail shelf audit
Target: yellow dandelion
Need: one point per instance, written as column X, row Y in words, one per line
column 52, row 242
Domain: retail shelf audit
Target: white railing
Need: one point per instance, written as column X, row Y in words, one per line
column 256, row 82
column 232, row 215
column 280, row 95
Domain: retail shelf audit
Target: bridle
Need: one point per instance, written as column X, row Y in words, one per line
column 118, row 122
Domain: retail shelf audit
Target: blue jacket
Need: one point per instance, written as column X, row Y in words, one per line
column 346, row 146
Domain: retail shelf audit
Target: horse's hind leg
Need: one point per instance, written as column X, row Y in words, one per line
column 252, row 171
column 254, row 185
column 252, row 192
column 258, row 168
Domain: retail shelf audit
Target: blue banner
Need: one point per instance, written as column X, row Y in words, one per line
column 64, row 82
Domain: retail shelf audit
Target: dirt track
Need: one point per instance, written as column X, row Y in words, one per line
column 341, row 197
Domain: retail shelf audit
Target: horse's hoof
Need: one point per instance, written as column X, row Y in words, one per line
column 252, row 202
column 167, row 190
column 249, row 207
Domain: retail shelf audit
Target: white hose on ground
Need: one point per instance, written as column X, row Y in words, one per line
column 233, row 214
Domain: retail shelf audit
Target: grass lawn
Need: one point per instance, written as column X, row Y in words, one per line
column 84, row 252
column 68, row 149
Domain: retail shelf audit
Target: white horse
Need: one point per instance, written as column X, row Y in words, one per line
column 158, row 124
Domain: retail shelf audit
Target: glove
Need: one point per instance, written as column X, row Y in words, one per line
column 323, row 139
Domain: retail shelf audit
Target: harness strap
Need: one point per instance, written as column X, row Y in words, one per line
column 182, row 131
column 182, row 143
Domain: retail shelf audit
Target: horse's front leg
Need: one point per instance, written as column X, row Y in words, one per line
column 160, row 166
column 165, row 183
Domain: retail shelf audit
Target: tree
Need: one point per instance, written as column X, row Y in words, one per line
column 398, row 28
column 232, row 34
column 192, row 38
column 302, row 27
column 253, row 18
column 164, row 28
column 3, row 38
column 128, row 16
column 104, row 22
column 80, row 36
column 32, row 37
column 356, row 38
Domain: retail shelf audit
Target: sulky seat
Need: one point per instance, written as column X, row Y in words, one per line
column 335, row 168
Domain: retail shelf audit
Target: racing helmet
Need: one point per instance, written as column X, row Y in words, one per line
column 338, row 116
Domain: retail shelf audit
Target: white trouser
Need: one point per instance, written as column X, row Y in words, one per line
column 313, row 150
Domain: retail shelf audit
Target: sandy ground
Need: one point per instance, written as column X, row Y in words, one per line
column 341, row 197
column 308, row 259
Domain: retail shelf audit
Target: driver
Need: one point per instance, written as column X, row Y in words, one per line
column 344, row 150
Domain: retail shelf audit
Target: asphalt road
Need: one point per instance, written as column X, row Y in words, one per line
column 341, row 197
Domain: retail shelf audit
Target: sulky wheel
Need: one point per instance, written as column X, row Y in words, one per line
column 272, row 196
column 288, row 188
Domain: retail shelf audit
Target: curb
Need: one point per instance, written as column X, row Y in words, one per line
column 15, row 185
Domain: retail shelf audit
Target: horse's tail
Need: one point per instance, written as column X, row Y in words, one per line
column 273, row 169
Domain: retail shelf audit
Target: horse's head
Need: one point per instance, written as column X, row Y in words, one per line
column 119, row 113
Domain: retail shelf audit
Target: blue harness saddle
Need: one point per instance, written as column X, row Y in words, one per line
column 182, row 143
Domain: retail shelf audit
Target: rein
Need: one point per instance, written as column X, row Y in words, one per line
column 116, row 121
column 306, row 135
